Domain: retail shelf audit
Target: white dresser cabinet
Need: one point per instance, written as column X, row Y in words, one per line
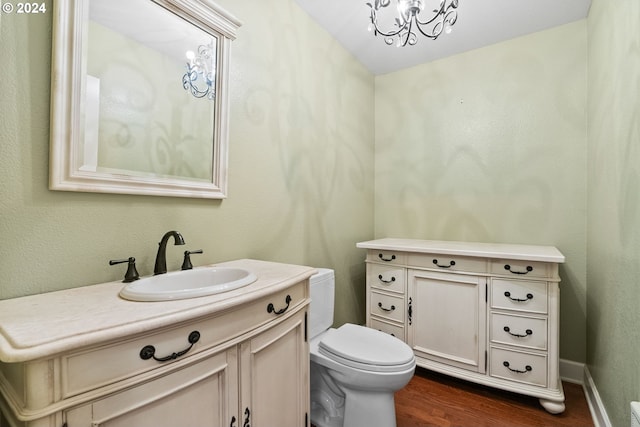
column 487, row 313
column 454, row 304
column 233, row 359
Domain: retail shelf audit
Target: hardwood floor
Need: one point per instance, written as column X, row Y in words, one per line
column 432, row 399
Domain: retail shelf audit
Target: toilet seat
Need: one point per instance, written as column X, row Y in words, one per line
column 366, row 349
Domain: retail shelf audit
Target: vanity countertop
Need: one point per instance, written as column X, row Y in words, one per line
column 483, row 250
column 38, row 326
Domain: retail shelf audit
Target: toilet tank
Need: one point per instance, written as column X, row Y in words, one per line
column 321, row 289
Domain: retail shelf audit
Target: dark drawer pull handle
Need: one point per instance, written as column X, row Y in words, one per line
column 271, row 308
column 508, row 268
column 527, row 368
column 508, row 295
column 393, row 307
column 149, row 351
column 451, row 264
column 386, row 259
column 393, row 279
column 233, row 421
column 247, row 418
column 527, row 332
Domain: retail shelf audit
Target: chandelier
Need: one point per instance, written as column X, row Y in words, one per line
column 409, row 20
column 200, row 76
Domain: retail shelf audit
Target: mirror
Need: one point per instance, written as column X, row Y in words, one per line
column 139, row 97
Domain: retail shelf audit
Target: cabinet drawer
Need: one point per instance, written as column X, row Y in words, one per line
column 100, row 366
column 448, row 262
column 390, row 328
column 519, row 295
column 387, row 306
column 519, row 331
column 520, row 269
column 386, row 277
column 387, row 257
column 519, row 366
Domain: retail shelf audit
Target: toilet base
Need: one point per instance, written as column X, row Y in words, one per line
column 361, row 409
column 338, row 405
column 327, row 400
column 366, row 409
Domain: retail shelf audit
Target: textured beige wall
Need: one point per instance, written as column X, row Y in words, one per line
column 613, row 298
column 490, row 146
column 301, row 167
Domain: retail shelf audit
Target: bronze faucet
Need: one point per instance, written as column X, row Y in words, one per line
column 161, row 257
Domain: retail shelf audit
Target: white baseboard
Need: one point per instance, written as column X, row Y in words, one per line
column 578, row 373
column 598, row 412
column 571, row 371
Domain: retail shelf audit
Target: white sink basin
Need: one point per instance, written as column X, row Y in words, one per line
column 194, row 283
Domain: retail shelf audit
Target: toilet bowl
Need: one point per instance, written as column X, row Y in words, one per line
column 355, row 370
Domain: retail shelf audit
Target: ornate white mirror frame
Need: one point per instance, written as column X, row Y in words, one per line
column 69, row 106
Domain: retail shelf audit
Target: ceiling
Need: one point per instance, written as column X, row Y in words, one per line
column 480, row 23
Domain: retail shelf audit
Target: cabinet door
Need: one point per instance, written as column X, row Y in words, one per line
column 200, row 394
column 447, row 318
column 274, row 376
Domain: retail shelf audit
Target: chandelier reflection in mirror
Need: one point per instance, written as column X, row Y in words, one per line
column 410, row 20
column 200, row 78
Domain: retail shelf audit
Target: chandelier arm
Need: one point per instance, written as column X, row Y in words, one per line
column 374, row 21
column 409, row 32
column 431, row 36
column 441, row 11
column 391, row 34
column 450, row 16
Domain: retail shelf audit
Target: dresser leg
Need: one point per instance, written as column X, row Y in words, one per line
column 553, row 407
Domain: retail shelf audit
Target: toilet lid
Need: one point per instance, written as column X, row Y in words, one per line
column 366, row 348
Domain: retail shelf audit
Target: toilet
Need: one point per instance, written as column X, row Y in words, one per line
column 355, row 370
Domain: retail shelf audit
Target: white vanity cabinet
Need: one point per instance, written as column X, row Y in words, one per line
column 248, row 366
column 487, row 313
column 267, row 371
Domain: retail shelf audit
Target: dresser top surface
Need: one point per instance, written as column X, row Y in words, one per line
column 471, row 249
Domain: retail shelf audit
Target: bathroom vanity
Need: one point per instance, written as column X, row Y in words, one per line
column 486, row 313
column 85, row 357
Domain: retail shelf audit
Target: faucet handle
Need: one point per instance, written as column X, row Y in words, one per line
column 131, row 274
column 186, row 264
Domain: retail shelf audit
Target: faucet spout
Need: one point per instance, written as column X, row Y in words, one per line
column 161, row 257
